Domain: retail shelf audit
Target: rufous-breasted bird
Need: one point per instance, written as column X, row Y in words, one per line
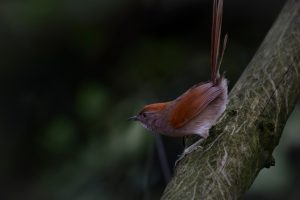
column 196, row 110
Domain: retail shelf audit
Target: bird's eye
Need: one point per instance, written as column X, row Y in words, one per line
column 144, row 115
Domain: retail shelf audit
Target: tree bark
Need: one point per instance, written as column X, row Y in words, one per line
column 242, row 142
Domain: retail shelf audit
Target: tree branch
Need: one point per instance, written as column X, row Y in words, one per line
column 242, row 142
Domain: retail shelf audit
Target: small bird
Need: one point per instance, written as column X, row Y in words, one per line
column 196, row 110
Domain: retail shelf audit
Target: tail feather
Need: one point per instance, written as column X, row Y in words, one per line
column 216, row 59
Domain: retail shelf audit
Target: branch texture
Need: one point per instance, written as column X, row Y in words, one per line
column 242, row 142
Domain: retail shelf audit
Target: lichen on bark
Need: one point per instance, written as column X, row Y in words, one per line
column 242, row 141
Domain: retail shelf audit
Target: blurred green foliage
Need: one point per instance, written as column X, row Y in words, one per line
column 90, row 102
column 59, row 136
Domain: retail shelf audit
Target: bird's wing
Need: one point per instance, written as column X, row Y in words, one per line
column 192, row 103
column 201, row 87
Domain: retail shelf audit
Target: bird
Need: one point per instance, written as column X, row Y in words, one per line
column 196, row 110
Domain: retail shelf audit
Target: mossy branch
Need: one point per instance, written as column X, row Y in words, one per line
column 242, row 142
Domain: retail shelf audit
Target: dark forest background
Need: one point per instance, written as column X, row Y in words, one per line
column 73, row 71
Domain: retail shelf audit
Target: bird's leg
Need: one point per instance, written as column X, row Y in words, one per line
column 193, row 147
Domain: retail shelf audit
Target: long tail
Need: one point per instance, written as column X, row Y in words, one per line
column 216, row 59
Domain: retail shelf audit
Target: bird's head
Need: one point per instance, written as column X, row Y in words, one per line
column 151, row 115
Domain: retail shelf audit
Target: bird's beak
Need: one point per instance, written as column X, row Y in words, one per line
column 134, row 118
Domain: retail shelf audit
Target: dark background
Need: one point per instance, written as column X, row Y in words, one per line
column 72, row 72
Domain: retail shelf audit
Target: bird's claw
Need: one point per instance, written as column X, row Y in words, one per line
column 190, row 149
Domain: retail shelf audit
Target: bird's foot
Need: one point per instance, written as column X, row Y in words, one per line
column 193, row 147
